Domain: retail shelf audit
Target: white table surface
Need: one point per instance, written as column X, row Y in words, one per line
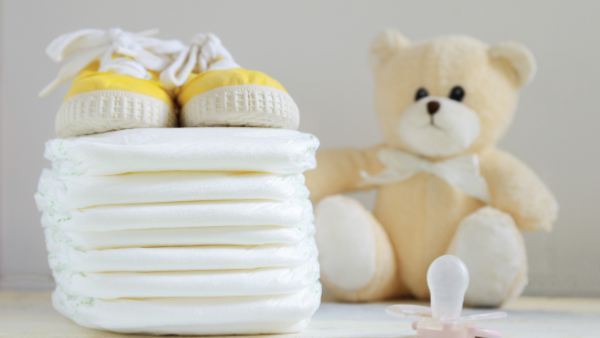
column 30, row 314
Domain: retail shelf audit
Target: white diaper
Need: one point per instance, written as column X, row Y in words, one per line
column 62, row 193
column 213, row 283
column 244, row 235
column 196, row 149
column 206, row 315
column 218, row 257
column 182, row 231
column 183, row 215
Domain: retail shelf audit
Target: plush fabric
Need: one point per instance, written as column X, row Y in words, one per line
column 416, row 217
column 494, row 235
column 344, row 225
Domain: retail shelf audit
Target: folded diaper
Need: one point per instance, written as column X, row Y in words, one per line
column 214, row 283
column 182, row 215
column 217, row 257
column 182, row 231
column 229, row 235
column 60, row 193
column 194, row 315
column 278, row 151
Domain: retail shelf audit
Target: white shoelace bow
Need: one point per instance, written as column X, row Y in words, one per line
column 201, row 55
column 461, row 172
column 93, row 44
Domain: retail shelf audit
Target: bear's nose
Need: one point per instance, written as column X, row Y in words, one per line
column 433, row 107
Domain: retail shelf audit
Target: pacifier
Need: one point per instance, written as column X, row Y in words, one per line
column 448, row 279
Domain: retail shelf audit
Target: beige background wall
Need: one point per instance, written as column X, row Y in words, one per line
column 317, row 49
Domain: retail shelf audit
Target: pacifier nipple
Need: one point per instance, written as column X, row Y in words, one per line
column 448, row 279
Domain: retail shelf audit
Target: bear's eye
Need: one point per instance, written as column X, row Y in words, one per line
column 421, row 93
column 457, row 93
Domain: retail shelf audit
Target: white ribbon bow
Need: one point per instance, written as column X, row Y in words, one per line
column 461, row 172
column 93, row 44
column 201, row 55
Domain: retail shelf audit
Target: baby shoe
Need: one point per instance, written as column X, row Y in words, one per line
column 216, row 91
column 117, row 81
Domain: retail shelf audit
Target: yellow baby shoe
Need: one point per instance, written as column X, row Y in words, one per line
column 216, row 91
column 117, row 81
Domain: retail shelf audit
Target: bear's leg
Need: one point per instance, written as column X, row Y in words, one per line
column 491, row 246
column 358, row 263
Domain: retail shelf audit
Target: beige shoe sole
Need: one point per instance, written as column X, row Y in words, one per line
column 244, row 105
column 107, row 110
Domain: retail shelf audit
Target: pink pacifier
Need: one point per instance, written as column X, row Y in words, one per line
column 448, row 279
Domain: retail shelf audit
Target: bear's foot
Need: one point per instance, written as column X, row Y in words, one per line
column 357, row 259
column 491, row 246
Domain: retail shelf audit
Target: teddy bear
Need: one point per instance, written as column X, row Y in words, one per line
column 443, row 187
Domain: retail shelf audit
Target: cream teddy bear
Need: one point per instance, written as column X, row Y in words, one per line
column 443, row 186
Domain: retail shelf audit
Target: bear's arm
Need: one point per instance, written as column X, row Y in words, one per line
column 517, row 190
column 338, row 171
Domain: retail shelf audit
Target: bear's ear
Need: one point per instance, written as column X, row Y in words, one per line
column 384, row 45
column 520, row 58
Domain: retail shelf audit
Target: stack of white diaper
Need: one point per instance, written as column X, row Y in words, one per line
column 182, row 231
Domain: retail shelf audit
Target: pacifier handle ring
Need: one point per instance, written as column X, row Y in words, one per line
column 478, row 332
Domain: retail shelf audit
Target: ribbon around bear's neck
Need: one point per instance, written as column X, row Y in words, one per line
column 461, row 172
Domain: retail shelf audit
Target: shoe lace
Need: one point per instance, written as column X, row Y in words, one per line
column 205, row 52
column 87, row 45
